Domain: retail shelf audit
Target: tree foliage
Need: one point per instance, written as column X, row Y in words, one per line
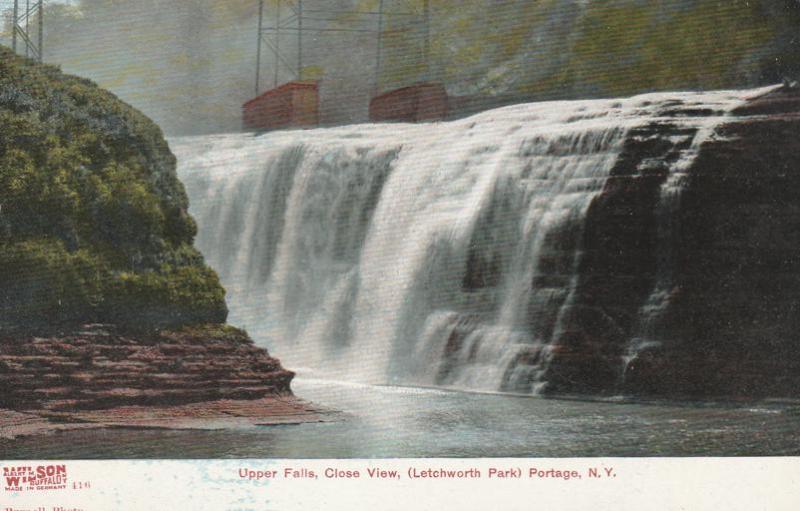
column 93, row 221
column 578, row 48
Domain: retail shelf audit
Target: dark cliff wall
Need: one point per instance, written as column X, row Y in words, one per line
column 693, row 292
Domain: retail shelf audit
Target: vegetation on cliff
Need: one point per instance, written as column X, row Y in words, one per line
column 577, row 48
column 93, row 220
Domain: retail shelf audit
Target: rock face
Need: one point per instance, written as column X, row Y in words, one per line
column 100, row 367
column 689, row 282
column 94, row 228
column 203, row 377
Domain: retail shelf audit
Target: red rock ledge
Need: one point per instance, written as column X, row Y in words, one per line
column 202, row 377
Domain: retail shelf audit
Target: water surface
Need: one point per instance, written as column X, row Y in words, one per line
column 416, row 422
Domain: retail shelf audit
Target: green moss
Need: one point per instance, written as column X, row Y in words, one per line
column 93, row 221
column 211, row 331
column 42, row 281
column 184, row 295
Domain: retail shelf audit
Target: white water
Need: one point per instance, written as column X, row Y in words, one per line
column 346, row 250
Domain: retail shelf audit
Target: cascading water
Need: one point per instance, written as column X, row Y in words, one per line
column 436, row 254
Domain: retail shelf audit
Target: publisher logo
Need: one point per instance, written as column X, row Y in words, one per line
column 22, row 478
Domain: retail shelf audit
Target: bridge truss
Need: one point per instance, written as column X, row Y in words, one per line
column 23, row 17
column 293, row 18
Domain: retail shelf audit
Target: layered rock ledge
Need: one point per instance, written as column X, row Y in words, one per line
column 200, row 377
column 688, row 288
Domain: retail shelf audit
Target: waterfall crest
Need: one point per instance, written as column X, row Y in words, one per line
column 438, row 254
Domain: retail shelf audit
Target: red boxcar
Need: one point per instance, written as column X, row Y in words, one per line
column 292, row 105
column 415, row 103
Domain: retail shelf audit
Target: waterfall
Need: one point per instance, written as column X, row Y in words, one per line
column 434, row 254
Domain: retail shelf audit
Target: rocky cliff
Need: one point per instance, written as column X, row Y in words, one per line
column 97, row 376
column 94, row 228
column 98, row 366
column 690, row 280
column 93, row 221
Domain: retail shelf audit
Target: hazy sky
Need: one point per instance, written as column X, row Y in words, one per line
column 9, row 4
column 190, row 64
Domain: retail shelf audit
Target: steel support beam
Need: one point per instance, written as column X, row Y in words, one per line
column 296, row 23
column 258, row 43
column 21, row 28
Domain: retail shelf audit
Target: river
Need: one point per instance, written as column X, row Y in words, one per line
column 385, row 421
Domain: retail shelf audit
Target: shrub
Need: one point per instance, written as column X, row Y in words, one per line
column 42, row 283
column 93, row 220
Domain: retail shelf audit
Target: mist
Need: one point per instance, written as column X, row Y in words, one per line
column 191, row 64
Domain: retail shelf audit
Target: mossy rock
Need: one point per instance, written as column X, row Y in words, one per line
column 93, row 220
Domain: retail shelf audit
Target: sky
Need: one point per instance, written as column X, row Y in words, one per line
column 9, row 4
